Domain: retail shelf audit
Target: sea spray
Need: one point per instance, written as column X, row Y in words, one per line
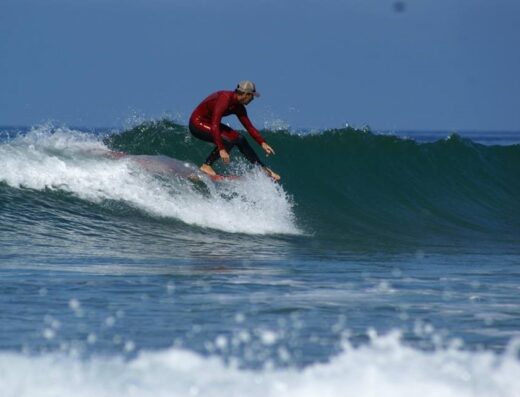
column 385, row 367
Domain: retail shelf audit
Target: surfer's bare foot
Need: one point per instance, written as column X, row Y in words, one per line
column 208, row 170
column 272, row 174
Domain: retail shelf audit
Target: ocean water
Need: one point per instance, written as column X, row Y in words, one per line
column 381, row 265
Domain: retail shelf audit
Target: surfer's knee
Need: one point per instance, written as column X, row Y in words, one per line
column 235, row 140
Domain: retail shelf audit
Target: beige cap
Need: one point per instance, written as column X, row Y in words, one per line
column 248, row 87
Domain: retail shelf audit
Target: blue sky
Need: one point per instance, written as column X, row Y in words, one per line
column 418, row 65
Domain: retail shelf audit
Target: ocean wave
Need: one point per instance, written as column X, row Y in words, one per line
column 339, row 184
column 348, row 182
column 81, row 165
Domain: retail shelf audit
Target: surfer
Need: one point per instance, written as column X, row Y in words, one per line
column 206, row 124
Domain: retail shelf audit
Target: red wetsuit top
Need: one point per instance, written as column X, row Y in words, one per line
column 219, row 104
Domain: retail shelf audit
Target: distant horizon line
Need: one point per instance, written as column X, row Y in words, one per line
column 302, row 129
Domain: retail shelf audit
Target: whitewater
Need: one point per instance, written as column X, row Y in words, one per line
column 384, row 367
column 81, row 165
column 381, row 265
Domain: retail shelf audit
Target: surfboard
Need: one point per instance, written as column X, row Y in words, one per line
column 224, row 178
column 161, row 164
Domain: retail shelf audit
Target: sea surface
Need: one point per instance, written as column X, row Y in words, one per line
column 383, row 264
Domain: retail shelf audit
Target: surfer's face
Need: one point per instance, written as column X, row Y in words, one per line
column 245, row 98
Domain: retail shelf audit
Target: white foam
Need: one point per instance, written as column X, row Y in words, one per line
column 383, row 368
column 72, row 161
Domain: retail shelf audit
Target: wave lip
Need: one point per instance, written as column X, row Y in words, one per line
column 384, row 367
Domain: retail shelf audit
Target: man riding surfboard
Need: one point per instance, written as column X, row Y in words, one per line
column 206, row 124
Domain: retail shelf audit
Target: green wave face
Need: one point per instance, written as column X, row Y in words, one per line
column 355, row 184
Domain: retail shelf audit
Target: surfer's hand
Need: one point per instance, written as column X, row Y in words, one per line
column 267, row 149
column 224, row 155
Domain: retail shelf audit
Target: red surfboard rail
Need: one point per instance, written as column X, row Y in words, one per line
column 223, row 178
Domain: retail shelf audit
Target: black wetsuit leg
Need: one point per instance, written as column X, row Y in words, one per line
column 230, row 139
